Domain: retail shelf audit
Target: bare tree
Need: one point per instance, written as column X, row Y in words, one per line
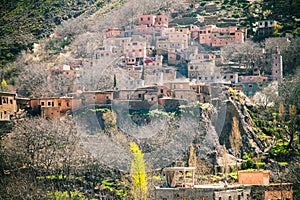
column 42, row 148
column 248, row 54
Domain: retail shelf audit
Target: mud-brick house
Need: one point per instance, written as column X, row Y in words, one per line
column 221, row 36
column 8, row 105
column 135, row 50
column 22, row 103
column 180, row 185
column 113, row 32
column 178, row 84
column 54, row 107
column 203, row 92
column 182, row 90
column 261, row 188
column 97, row 97
column 153, row 20
column 141, row 98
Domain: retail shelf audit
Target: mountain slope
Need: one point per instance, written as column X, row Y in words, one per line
column 23, row 22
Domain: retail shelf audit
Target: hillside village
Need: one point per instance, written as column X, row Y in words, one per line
column 199, row 74
column 150, row 56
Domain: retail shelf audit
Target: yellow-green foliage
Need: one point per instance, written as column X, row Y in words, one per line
column 58, row 195
column 139, row 188
column 3, row 83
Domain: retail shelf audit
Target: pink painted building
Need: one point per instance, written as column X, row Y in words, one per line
column 135, row 49
column 153, row 20
column 217, row 37
column 113, row 32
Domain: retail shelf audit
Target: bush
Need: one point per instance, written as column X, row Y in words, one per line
column 248, row 163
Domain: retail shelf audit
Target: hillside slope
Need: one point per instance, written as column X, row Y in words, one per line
column 23, row 22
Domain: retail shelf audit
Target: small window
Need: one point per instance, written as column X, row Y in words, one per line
column 250, row 86
column 248, row 196
column 43, row 103
column 59, row 104
column 5, row 100
column 140, row 95
column 52, row 104
column 11, row 101
column 4, row 112
column 49, row 103
column 142, row 19
column 68, row 104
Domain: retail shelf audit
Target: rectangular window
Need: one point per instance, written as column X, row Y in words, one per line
column 5, row 100
column 49, row 103
column 52, row 104
column 68, row 104
column 11, row 101
column 59, row 103
column 43, row 103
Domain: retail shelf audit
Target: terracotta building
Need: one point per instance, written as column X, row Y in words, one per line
column 153, row 20
column 179, row 37
column 96, row 97
column 50, row 106
column 218, row 37
column 113, row 32
column 135, row 49
column 261, row 188
column 8, row 105
column 180, row 185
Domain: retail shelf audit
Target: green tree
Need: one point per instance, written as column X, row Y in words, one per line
column 138, row 173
